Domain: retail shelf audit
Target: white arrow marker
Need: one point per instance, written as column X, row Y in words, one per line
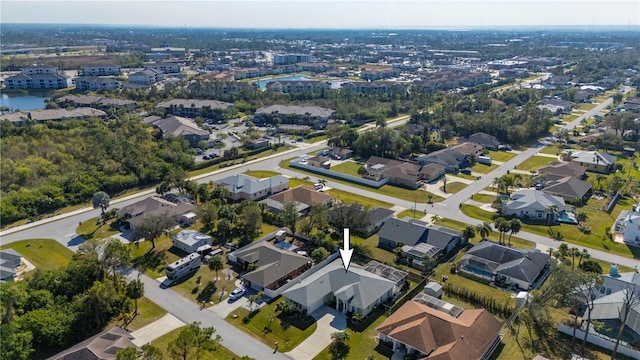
column 346, row 253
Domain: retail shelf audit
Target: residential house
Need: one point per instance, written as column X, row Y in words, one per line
column 319, row 161
column 375, row 87
column 564, row 169
column 488, row 141
column 568, row 188
column 100, row 70
column 98, row 102
column 190, row 240
column 145, row 77
column 534, row 205
column 274, row 266
column 208, row 109
column 10, row 260
column 339, row 153
column 426, row 332
column 525, row 268
column 431, row 172
column 399, row 173
column 175, row 206
column 592, row 160
column 468, row 149
column 257, row 143
column 418, row 240
column 102, row 346
column 42, row 116
column 302, row 196
column 451, row 159
column 245, row 187
column 355, row 291
column 555, row 106
column 628, row 224
column 96, row 83
column 314, row 116
column 38, row 77
column 166, row 68
column 298, row 86
column 377, row 217
column 178, row 126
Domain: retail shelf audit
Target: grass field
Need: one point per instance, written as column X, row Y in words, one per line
column 484, row 198
column 464, row 176
column 501, row 155
column 219, row 353
column 348, row 167
column 586, row 107
column 91, row 230
column 453, row 187
column 350, row 198
column 535, row 163
column 483, row 169
column 148, row 312
column 44, row 254
column 261, row 174
column 270, row 326
column 410, row 213
column 457, row 225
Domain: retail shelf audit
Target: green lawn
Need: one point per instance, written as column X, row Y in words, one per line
column 389, row 190
column 44, row 254
column 316, row 139
column 350, row 198
column 220, row 353
column 554, row 149
column 586, row 107
column 598, row 220
column 570, row 117
column 91, row 230
column 501, row 155
column 453, row 187
column 458, row 225
column 464, row 176
column 483, row 169
column 238, row 161
column 410, row 213
column 348, row 167
column 261, row 174
column 208, row 289
column 288, row 331
column 148, row 312
column 484, row 198
column 154, row 262
column 535, row 163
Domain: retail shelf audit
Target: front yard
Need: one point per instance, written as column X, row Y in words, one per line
column 271, row 326
column 44, row 254
column 453, row 187
column 501, row 155
column 535, row 163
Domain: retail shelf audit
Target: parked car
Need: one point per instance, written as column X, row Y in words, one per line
column 236, row 294
column 466, row 171
column 206, row 157
column 199, row 151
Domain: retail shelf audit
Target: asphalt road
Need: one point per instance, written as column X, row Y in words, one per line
column 232, row 338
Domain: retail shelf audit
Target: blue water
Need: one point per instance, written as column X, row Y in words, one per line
column 263, row 83
column 24, row 102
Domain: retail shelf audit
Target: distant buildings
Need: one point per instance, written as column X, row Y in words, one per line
column 208, row 109
column 178, row 126
column 40, row 116
column 313, row 116
column 100, row 70
column 283, row 59
column 98, row 102
column 145, row 77
column 166, row 68
column 38, row 77
column 96, row 83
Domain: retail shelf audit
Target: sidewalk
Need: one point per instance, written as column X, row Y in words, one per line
column 156, row 329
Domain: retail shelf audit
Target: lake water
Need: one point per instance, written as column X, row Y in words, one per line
column 24, row 102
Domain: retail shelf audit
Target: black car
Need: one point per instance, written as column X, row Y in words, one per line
column 466, row 171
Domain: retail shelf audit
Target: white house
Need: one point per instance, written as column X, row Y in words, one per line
column 533, row 204
column 145, row 77
column 630, row 226
column 190, row 240
column 250, row 188
column 167, row 68
column 100, row 70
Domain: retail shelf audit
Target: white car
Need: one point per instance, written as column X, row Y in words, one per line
column 236, row 294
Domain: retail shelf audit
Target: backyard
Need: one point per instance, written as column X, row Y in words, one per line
column 44, row 254
column 271, row 326
column 348, row 167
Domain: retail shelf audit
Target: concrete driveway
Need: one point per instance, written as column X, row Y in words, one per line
column 329, row 321
column 156, row 329
column 225, row 308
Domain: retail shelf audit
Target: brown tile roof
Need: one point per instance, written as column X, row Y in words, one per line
column 301, row 194
column 468, row 148
column 440, row 335
column 432, row 170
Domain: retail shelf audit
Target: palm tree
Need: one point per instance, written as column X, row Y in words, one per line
column 484, row 229
column 467, row 233
column 435, row 218
column 135, row 291
column 514, row 225
column 502, row 225
column 215, row 264
column 574, row 251
column 584, row 255
column 101, row 200
column 551, row 211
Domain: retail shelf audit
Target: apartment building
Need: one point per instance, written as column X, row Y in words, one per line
column 38, row 77
column 100, row 70
column 167, row 68
column 95, row 83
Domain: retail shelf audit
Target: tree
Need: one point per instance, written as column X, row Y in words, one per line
column 617, row 98
column 249, row 223
column 183, row 345
column 208, row 214
column 469, row 232
column 484, row 229
column 152, row 227
column 502, row 225
column 562, row 252
column 319, row 254
column 339, row 348
column 629, row 301
column 316, row 217
column 15, row 343
column 216, row 264
column 129, row 353
column 551, row 211
column 135, row 291
column 355, row 217
column 150, row 352
column 116, row 255
column 101, row 200
column 12, row 296
column 289, row 216
column 204, row 339
column 590, row 266
column 514, row 226
column 582, row 216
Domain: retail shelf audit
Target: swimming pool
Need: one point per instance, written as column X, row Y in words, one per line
column 567, row 218
column 285, row 246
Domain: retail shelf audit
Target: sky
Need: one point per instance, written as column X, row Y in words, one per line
column 327, row 14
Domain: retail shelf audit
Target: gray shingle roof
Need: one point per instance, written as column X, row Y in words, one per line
column 357, row 286
column 315, row 111
column 273, row 263
column 191, row 237
column 198, row 104
column 403, row 231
